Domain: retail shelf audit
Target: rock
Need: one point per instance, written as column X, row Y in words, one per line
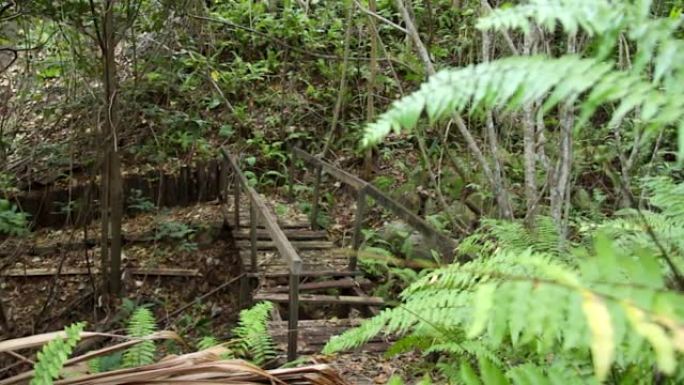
column 416, row 247
column 395, row 233
column 403, row 239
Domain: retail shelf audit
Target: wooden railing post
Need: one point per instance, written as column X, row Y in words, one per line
column 293, row 317
column 253, row 219
column 244, row 300
column 223, row 180
column 236, row 205
column 290, row 179
column 358, row 224
column 316, row 198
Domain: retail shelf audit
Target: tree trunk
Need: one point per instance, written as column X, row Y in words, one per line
column 370, row 105
column 530, row 153
column 504, row 210
column 560, row 191
column 111, row 181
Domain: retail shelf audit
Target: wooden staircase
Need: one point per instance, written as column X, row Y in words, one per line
column 313, row 272
column 272, row 249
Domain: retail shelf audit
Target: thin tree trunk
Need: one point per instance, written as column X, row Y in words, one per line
column 343, row 78
column 530, row 153
column 505, row 211
column 336, row 112
column 370, row 106
column 112, row 206
column 560, row 193
column 500, row 193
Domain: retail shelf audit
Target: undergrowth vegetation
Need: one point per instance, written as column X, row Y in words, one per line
column 606, row 310
column 558, row 297
column 251, row 341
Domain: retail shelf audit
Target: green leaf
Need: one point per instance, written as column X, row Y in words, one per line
column 602, row 341
column 483, row 303
column 468, row 375
column 491, row 374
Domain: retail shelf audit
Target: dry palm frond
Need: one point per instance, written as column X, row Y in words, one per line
column 199, row 368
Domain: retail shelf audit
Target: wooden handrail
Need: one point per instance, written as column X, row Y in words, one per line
column 270, row 222
column 442, row 243
column 259, row 210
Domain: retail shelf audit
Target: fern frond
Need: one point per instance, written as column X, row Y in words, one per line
column 533, row 299
column 95, row 365
column 141, row 324
column 207, row 342
column 54, row 354
column 594, row 17
column 630, row 229
column 474, row 348
column 496, row 234
column 517, row 81
column 252, row 332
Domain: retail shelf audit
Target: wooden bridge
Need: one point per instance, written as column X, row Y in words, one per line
column 281, row 259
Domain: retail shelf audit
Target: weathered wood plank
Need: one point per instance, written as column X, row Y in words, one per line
column 307, row 273
column 229, row 218
column 40, row 272
column 321, row 299
column 292, row 234
column 345, row 283
column 298, row 245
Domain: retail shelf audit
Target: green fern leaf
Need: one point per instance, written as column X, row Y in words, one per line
column 141, row 324
column 252, row 332
column 54, row 354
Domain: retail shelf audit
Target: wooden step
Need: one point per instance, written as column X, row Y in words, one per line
column 344, row 283
column 291, row 234
column 298, row 245
column 321, row 299
column 229, row 218
column 307, row 273
column 278, row 268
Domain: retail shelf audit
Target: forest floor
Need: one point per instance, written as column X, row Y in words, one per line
column 48, row 277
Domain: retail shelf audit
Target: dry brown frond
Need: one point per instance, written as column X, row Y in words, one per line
column 205, row 367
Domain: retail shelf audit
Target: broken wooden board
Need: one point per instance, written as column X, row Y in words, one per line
column 269, row 262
